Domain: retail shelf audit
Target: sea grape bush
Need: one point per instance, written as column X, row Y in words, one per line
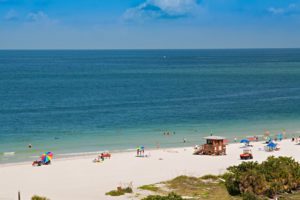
column 270, row 178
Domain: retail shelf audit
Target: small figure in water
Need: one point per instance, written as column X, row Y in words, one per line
column 157, row 145
column 29, row 146
column 235, row 140
column 184, row 140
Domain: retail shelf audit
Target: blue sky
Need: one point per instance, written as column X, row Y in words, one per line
column 143, row 24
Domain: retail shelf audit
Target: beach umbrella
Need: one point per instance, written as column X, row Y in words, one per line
column 140, row 148
column 46, row 157
column 272, row 145
column 245, row 141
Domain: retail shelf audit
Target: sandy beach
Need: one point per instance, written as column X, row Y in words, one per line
column 79, row 178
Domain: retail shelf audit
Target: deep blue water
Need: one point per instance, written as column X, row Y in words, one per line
column 71, row 101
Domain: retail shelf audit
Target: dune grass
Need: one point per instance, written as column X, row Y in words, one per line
column 210, row 176
column 171, row 196
column 119, row 192
column 294, row 196
column 35, row 197
column 150, row 187
column 199, row 188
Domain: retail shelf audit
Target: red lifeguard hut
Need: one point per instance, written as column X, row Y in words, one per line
column 215, row 145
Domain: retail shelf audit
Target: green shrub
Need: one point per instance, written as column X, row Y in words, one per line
column 115, row 193
column 35, row 197
column 271, row 177
column 250, row 196
column 119, row 192
column 128, row 190
column 232, row 184
column 171, row 196
column 210, row 176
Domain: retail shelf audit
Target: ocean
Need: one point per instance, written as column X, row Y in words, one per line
column 73, row 102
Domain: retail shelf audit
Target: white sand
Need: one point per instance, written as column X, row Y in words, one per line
column 81, row 179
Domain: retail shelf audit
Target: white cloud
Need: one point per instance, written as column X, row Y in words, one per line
column 175, row 7
column 276, row 11
column 11, row 15
column 162, row 9
column 40, row 17
column 37, row 16
column 290, row 9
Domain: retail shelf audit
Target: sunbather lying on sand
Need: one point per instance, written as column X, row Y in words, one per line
column 40, row 163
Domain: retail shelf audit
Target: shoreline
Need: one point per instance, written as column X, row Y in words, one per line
column 83, row 155
column 78, row 155
column 65, row 147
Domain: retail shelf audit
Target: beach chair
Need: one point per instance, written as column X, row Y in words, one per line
column 106, row 155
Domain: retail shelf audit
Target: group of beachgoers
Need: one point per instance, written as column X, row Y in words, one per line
column 101, row 157
column 168, row 133
column 216, row 145
column 140, row 151
column 46, row 158
column 272, row 142
column 271, row 145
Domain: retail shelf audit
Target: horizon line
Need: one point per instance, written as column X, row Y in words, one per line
column 140, row 49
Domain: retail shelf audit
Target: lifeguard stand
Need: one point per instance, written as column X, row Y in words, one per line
column 215, row 145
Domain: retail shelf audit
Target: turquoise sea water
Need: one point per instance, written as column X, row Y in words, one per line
column 85, row 101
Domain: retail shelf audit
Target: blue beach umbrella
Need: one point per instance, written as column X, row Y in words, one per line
column 245, row 141
column 272, row 145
